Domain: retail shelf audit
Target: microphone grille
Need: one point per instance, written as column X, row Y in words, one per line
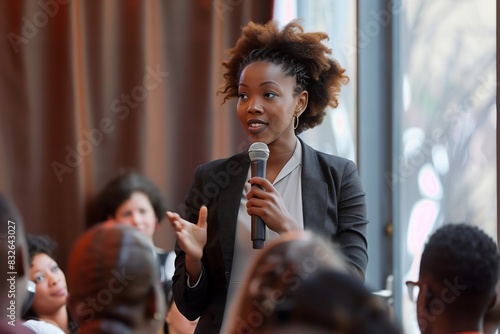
column 258, row 151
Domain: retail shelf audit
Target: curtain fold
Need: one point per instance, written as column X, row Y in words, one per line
column 88, row 88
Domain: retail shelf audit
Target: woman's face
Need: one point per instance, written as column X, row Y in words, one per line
column 51, row 292
column 266, row 103
column 138, row 212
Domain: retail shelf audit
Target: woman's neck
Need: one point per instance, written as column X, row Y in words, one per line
column 59, row 318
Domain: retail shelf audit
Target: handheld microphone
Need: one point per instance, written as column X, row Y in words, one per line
column 258, row 153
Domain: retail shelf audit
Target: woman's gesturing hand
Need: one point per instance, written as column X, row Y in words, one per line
column 269, row 206
column 191, row 238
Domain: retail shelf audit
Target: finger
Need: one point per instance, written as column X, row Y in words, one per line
column 202, row 217
column 175, row 221
column 178, row 235
column 257, row 211
column 256, row 192
column 181, row 238
column 175, row 226
column 172, row 215
column 260, row 181
column 256, row 202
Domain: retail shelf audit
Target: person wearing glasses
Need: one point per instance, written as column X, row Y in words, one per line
column 459, row 271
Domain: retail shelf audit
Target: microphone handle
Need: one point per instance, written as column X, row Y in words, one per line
column 258, row 229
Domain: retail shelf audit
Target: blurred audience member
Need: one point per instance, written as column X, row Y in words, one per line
column 459, row 271
column 13, row 286
column 49, row 303
column 113, row 279
column 275, row 274
column 328, row 301
column 132, row 199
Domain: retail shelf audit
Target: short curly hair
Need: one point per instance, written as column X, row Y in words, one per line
column 300, row 54
column 121, row 188
column 465, row 253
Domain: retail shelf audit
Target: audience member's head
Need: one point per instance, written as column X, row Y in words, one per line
column 49, row 303
column 14, row 252
column 51, row 290
column 113, row 279
column 176, row 323
column 329, row 301
column 131, row 199
column 278, row 271
column 459, row 271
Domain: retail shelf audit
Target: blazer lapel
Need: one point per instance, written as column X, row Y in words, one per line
column 229, row 206
column 314, row 191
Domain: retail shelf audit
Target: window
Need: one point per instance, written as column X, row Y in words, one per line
column 337, row 134
column 446, row 155
column 443, row 121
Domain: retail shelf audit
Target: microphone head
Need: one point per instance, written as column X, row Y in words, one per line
column 258, row 151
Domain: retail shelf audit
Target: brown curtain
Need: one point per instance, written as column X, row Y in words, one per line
column 91, row 87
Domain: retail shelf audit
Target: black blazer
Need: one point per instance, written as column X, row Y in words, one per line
column 333, row 204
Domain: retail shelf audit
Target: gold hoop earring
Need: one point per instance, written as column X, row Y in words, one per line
column 295, row 121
